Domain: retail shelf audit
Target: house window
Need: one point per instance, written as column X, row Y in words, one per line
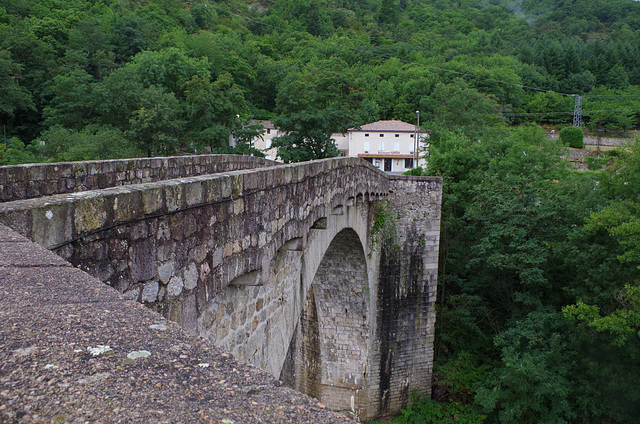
column 267, row 143
column 381, row 146
column 366, row 135
column 376, row 162
column 366, row 146
column 396, row 146
column 381, row 135
column 408, row 163
column 411, row 135
column 268, row 130
column 397, row 135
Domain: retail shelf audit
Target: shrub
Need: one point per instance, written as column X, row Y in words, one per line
column 573, row 136
column 596, row 164
column 423, row 410
column 417, row 171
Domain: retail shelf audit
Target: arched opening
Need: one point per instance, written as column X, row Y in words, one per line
column 328, row 354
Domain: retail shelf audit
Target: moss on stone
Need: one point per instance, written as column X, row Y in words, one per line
column 90, row 213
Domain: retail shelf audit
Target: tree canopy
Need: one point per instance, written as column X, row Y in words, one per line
column 319, row 64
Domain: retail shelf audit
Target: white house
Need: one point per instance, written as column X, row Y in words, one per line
column 388, row 145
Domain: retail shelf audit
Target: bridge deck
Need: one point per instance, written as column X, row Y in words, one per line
column 52, row 313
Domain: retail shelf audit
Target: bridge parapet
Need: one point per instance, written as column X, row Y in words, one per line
column 19, row 182
column 131, row 236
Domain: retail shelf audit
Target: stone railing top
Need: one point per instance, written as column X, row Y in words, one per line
column 45, row 179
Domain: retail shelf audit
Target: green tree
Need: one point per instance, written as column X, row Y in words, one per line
column 388, row 13
column 12, row 95
column 71, row 104
column 550, row 107
column 157, row 124
column 15, row 152
column 116, row 97
column 533, row 385
column 90, row 143
column 623, row 323
column 457, row 105
column 170, row 68
column 572, row 136
column 213, row 110
column 313, row 105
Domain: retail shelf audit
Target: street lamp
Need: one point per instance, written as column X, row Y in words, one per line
column 416, row 143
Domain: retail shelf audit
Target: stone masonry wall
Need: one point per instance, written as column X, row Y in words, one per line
column 177, row 245
column 252, row 321
column 37, row 180
column 341, row 291
column 407, row 290
column 329, row 353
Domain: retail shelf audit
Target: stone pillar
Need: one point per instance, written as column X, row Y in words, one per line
column 407, row 289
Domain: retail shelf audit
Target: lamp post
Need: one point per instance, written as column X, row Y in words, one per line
column 416, row 143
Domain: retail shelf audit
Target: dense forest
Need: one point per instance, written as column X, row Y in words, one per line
column 117, row 78
column 538, row 298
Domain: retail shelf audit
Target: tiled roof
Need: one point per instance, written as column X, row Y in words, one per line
column 392, row 125
column 265, row 124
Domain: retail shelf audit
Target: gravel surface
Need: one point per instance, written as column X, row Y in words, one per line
column 72, row 350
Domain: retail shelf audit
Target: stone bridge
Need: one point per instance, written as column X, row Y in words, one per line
column 321, row 273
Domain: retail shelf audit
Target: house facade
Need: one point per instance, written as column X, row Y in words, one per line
column 388, row 145
column 264, row 143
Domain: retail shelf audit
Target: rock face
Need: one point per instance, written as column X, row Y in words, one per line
column 276, row 264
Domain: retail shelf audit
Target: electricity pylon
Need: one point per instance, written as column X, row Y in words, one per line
column 577, row 111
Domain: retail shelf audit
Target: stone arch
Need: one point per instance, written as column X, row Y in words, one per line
column 328, row 354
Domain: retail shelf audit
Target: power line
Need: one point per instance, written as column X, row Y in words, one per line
column 569, row 113
column 591, row 96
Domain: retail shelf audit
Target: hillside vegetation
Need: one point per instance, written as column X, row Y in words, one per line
column 113, row 78
column 538, row 299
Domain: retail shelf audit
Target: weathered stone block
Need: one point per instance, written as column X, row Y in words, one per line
column 174, row 196
column 190, row 314
column 165, row 271
column 191, row 277
column 35, row 172
column 143, row 260
column 52, row 223
column 213, row 189
column 176, row 284
column 90, row 212
column 194, row 193
column 152, row 200
column 150, row 292
column 15, row 174
column 127, row 204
